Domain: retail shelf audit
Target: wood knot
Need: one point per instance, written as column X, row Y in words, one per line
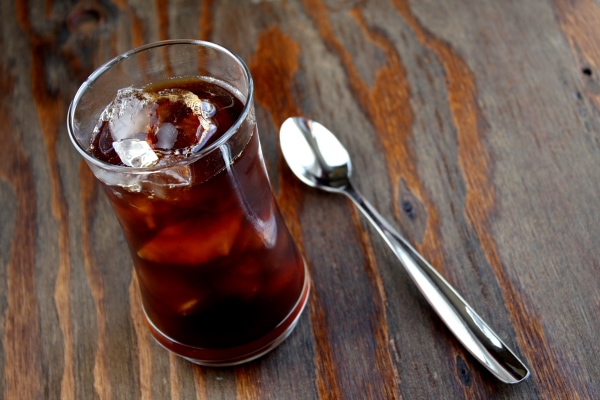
column 412, row 213
column 84, row 19
column 463, row 372
column 409, row 209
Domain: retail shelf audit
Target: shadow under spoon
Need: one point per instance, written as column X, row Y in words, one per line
column 319, row 160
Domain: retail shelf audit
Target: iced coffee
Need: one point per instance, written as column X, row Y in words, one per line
column 179, row 157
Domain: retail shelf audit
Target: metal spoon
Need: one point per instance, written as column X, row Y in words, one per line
column 318, row 159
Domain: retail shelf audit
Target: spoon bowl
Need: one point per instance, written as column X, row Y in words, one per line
column 328, row 170
column 319, row 160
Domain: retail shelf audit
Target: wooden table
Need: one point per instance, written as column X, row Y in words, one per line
column 474, row 127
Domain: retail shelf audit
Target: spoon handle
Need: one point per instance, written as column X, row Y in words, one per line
column 477, row 337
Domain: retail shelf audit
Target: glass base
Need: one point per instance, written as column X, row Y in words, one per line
column 240, row 354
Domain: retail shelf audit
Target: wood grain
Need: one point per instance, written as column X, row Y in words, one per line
column 21, row 318
column 473, row 127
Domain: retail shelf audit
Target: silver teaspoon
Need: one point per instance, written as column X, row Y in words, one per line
column 318, row 159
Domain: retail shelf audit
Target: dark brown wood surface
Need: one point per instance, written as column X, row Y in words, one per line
column 474, row 127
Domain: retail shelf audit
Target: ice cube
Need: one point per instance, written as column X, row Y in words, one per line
column 135, row 153
column 129, row 115
column 209, row 128
column 170, row 177
column 204, row 110
column 158, row 119
column 129, row 181
column 166, row 136
column 193, row 242
column 208, row 109
column 176, row 291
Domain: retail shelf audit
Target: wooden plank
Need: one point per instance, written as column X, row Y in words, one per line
column 473, row 127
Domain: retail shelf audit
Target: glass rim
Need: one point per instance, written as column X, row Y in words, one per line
column 187, row 160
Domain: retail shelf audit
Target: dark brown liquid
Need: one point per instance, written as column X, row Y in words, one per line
column 216, row 265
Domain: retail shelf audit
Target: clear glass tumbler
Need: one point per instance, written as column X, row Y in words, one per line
column 222, row 281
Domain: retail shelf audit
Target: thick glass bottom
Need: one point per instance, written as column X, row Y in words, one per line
column 239, row 354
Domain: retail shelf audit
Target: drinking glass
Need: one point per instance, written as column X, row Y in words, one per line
column 221, row 280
